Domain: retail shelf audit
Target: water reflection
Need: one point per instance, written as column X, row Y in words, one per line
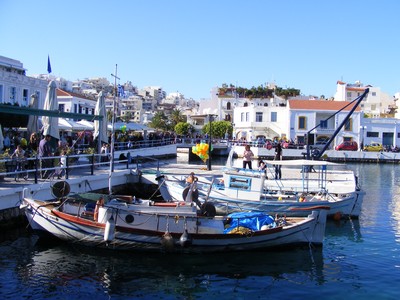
column 61, row 267
column 348, row 229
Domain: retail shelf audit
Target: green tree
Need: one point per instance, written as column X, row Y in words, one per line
column 159, row 121
column 218, row 129
column 176, row 117
column 109, row 115
column 183, row 128
column 127, row 117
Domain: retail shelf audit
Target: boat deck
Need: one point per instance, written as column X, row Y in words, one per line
column 340, row 182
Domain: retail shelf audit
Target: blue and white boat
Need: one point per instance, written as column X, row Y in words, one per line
column 304, row 183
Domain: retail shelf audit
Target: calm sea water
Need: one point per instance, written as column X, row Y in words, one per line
column 360, row 259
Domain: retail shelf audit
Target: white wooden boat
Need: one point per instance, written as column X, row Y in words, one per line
column 127, row 224
column 304, row 183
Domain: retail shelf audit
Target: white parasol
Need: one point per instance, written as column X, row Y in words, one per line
column 50, row 124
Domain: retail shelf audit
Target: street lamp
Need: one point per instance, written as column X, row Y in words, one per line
column 210, row 119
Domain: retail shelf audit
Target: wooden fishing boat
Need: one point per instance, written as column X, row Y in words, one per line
column 125, row 223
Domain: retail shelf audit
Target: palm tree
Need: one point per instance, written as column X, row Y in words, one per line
column 176, row 117
column 159, row 121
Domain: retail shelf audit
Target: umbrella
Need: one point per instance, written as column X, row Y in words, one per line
column 87, row 124
column 100, row 127
column 64, row 124
column 1, row 139
column 33, row 120
column 50, row 124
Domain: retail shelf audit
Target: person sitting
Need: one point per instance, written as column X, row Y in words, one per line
column 99, row 203
column 191, row 178
column 262, row 167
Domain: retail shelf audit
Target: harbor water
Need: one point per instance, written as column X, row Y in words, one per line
column 360, row 259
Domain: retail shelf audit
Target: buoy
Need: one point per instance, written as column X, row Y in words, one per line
column 109, row 231
column 337, row 216
column 167, row 241
column 208, row 209
column 185, row 239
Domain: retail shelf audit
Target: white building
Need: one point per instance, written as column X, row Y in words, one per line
column 321, row 118
column 251, row 122
column 375, row 104
column 294, row 121
column 16, row 87
column 153, row 91
column 381, row 130
column 75, row 103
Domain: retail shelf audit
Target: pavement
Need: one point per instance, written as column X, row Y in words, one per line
column 80, row 170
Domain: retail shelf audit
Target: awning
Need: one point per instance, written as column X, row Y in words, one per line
column 128, row 126
column 70, row 125
column 87, row 124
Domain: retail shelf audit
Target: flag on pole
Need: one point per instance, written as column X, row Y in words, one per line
column 48, row 64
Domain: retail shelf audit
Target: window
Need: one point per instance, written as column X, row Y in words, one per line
column 274, row 116
column 348, row 94
column 372, row 134
column 259, row 116
column 228, row 106
column 61, row 107
column 323, row 124
column 242, row 117
column 349, row 125
column 302, row 123
column 25, row 96
column 247, row 117
column 13, row 94
column 373, row 94
column 1, row 93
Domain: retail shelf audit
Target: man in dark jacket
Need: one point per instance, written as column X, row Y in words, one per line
column 44, row 153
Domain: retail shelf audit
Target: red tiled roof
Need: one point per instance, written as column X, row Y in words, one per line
column 360, row 89
column 320, row 105
column 62, row 93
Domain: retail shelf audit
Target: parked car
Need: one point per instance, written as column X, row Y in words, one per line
column 347, row 146
column 377, row 147
column 319, row 145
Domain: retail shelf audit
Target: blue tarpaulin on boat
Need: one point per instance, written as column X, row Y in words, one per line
column 251, row 220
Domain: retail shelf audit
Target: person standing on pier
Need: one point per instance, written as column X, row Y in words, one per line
column 247, row 157
column 44, row 153
column 278, row 156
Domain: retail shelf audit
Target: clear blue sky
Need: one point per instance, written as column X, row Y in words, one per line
column 192, row 46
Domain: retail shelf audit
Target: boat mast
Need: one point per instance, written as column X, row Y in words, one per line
column 113, row 130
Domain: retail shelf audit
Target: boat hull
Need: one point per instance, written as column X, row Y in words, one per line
column 186, row 233
column 348, row 205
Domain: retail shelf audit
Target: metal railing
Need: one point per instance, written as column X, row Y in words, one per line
column 35, row 168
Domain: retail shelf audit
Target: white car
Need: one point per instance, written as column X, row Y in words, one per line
column 319, row 145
